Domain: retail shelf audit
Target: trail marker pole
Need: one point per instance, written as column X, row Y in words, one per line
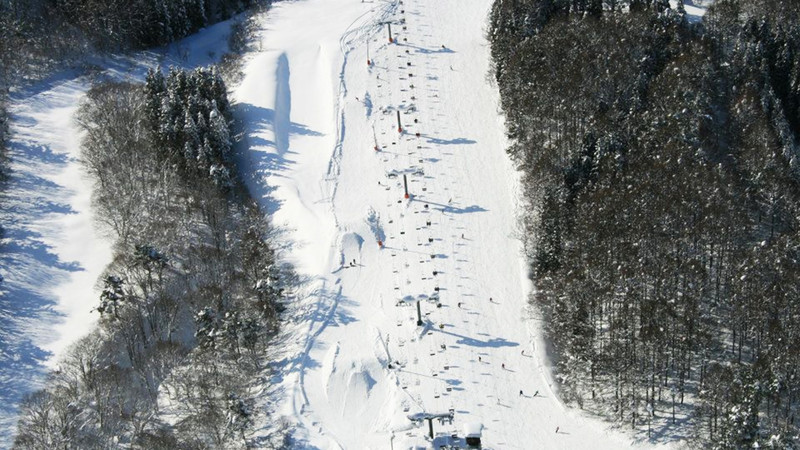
column 390, row 33
column 399, row 124
column 405, row 185
column 419, row 315
column 375, row 138
column 369, row 62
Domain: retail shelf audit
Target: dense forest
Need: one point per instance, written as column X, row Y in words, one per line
column 662, row 205
column 38, row 36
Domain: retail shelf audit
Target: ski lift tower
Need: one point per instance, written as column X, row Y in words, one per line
column 409, row 299
column 441, row 417
column 388, row 23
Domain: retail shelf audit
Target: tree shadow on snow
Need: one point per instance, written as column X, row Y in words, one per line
column 427, row 51
column 448, row 208
column 329, row 309
column 264, row 158
column 472, row 342
column 456, row 141
column 30, row 207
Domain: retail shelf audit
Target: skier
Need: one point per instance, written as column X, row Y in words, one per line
column 503, row 365
column 479, row 359
column 536, row 393
column 556, row 430
column 520, row 392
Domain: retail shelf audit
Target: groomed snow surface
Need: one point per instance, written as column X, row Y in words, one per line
column 355, row 364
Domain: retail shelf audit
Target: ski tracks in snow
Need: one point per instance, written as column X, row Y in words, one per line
column 418, row 212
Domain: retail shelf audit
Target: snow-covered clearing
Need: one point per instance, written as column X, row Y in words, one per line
column 355, row 362
column 695, row 9
column 53, row 252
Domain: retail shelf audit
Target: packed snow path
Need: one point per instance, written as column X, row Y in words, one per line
column 329, row 159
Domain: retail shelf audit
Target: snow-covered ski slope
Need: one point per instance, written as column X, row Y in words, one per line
column 51, row 255
column 355, row 363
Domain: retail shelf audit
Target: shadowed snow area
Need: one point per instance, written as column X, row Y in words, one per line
column 51, row 255
column 324, row 155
